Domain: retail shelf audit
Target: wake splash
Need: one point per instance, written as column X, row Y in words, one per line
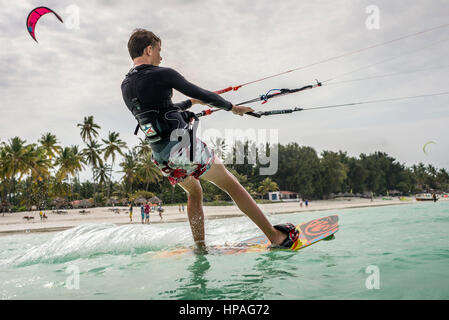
column 92, row 240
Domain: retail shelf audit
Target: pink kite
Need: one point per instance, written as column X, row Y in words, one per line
column 35, row 15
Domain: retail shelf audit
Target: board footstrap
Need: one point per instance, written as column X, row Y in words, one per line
column 291, row 241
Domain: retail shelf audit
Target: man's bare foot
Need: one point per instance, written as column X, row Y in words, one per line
column 200, row 247
column 279, row 237
column 285, row 236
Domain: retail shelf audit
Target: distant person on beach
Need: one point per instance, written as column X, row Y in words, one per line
column 147, row 213
column 142, row 212
column 183, row 207
column 130, row 212
column 307, row 203
column 160, row 210
column 300, row 204
column 40, row 214
column 434, row 196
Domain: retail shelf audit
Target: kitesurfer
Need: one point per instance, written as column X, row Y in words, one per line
column 147, row 91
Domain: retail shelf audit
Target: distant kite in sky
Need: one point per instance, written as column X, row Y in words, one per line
column 425, row 145
column 34, row 16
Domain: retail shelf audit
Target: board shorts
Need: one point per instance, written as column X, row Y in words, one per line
column 176, row 165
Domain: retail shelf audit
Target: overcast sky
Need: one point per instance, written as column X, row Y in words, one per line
column 72, row 72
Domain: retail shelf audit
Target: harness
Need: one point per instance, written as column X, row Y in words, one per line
column 159, row 122
column 154, row 122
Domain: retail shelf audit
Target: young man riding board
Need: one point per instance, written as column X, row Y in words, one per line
column 147, row 90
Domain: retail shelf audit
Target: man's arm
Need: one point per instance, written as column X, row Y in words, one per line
column 184, row 105
column 178, row 82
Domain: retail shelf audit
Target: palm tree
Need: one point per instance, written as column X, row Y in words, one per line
column 15, row 161
column 92, row 155
column 88, row 129
column 65, row 163
column 101, row 173
column 38, row 169
column 113, row 145
column 39, row 164
column 78, row 161
column 3, row 174
column 69, row 162
column 129, row 166
column 143, row 147
column 49, row 142
column 40, row 174
column 20, row 159
column 147, row 171
column 78, row 157
column 88, row 133
column 266, row 186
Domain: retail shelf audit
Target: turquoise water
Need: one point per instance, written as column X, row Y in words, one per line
column 399, row 252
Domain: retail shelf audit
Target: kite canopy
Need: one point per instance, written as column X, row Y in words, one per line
column 425, row 145
column 34, row 16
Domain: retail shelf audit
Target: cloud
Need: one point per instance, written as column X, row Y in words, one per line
column 70, row 74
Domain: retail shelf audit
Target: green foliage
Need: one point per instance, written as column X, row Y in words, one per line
column 170, row 194
column 37, row 174
column 18, row 208
column 266, row 186
column 212, row 193
column 142, row 194
column 332, row 173
column 298, row 170
column 220, row 203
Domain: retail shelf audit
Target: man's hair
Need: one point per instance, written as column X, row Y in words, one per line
column 139, row 40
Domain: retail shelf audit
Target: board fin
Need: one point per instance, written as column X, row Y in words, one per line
column 331, row 237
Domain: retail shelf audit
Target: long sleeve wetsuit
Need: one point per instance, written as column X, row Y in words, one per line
column 153, row 86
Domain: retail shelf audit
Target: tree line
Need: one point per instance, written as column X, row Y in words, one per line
column 38, row 174
column 319, row 176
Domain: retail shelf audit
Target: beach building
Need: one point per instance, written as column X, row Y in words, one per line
column 283, row 196
column 155, row 200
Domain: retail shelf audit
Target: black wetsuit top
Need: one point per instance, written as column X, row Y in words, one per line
column 153, row 86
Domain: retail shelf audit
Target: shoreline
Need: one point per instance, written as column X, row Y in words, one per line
column 14, row 223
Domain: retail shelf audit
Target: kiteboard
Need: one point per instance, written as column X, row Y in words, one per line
column 310, row 232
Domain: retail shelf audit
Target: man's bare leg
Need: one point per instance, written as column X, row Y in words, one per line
column 195, row 210
column 226, row 181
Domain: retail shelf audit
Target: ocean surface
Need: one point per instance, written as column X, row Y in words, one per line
column 394, row 252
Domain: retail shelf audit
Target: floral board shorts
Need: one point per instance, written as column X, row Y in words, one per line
column 178, row 166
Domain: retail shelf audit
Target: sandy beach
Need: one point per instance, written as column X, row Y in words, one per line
column 16, row 223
